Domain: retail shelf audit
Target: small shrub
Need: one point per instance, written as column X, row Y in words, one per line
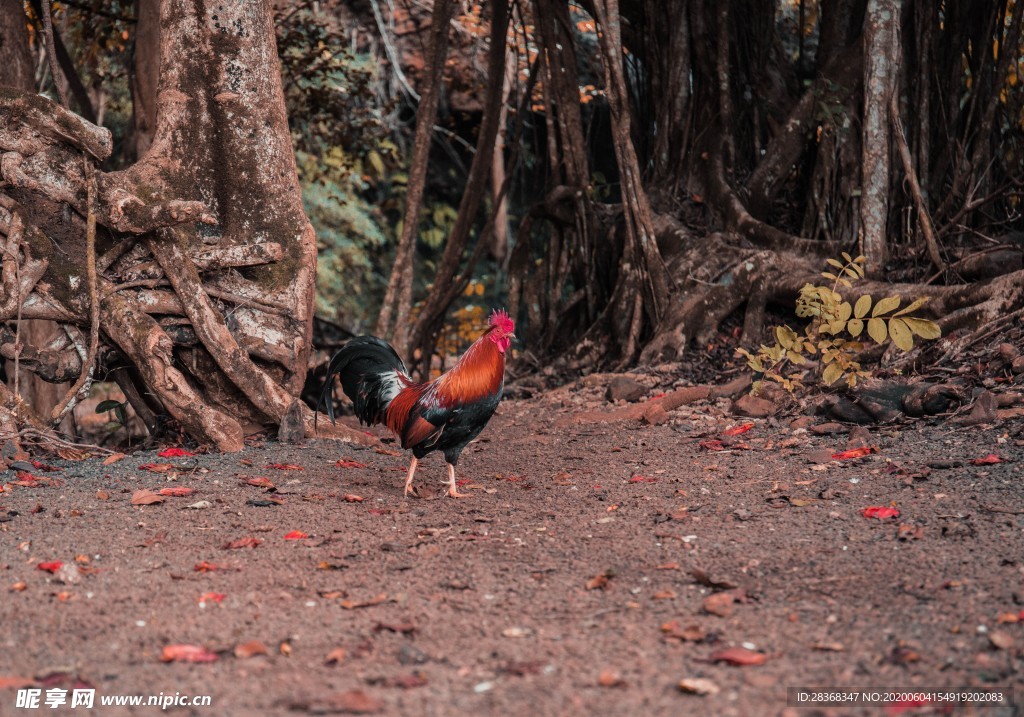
column 835, row 331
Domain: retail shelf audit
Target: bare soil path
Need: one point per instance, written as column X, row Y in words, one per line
column 593, row 568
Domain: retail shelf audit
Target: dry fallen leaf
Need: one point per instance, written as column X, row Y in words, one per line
column 178, row 491
column 349, row 463
column 721, row 604
column 249, row 542
column 335, row 656
column 737, row 430
column 352, row 498
column 698, row 686
column 880, row 512
column 667, row 594
column 102, row 495
column 146, row 497
column 1001, row 640
column 674, row 631
column 156, row 467
column 987, row 460
column 175, row 453
column 18, row 587
column 113, row 458
column 828, row 646
column 738, row 657
column 353, row 702
column 285, row 467
column 250, row 649
column 187, row 653
column 259, row 482
column 610, row 678
column 853, row 453
column 375, row 600
column 600, row 581
column 212, row 597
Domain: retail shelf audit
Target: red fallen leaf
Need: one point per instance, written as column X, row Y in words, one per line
column 285, row 467
column 642, row 479
column 50, row 567
column 463, row 481
column 146, row 497
column 738, row 657
column 349, row 463
column 296, row 535
column 249, row 542
column 880, row 512
column 187, row 653
column 987, row 460
column 207, row 567
column 155, row 467
column 39, row 465
column 178, row 492
column 657, row 395
column 212, row 597
column 353, row 498
column 737, row 430
column 175, row 453
column 712, row 445
column 259, row 482
column 853, row 453
column 379, row 511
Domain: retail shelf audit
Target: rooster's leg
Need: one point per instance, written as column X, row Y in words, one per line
column 452, row 490
column 410, row 474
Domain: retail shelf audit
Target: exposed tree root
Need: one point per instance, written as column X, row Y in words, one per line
column 654, row 410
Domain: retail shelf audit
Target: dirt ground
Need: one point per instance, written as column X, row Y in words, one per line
column 594, row 567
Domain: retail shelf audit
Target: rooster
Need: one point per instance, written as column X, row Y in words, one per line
column 441, row 415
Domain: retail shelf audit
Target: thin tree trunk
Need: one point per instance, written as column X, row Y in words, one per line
column 881, row 59
column 393, row 320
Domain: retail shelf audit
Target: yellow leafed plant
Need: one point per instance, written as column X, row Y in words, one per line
column 835, row 329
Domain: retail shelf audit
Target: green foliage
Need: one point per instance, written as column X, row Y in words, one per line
column 119, row 409
column 835, row 328
column 330, row 93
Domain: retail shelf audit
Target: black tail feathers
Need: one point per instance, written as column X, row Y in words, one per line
column 363, row 365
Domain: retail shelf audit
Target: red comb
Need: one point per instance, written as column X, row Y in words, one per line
column 501, row 320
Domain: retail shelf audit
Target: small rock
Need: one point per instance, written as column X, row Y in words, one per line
column 827, row 429
column 1017, row 365
column 752, row 406
column 803, row 422
column 625, row 389
column 412, row 655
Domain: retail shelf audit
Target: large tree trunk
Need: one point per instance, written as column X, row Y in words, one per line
column 211, row 255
